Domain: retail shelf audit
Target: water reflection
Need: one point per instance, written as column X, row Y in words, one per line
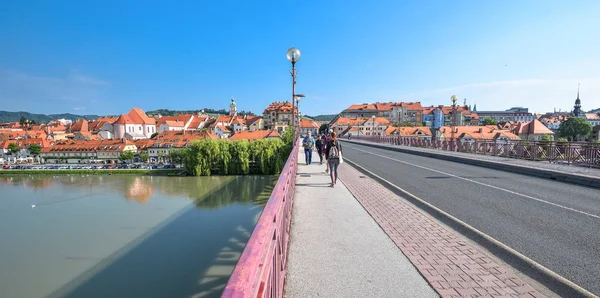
column 141, row 189
column 125, row 235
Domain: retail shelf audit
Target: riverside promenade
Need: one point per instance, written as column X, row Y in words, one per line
column 360, row 239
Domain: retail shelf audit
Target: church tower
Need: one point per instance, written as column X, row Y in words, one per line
column 232, row 108
column 577, row 107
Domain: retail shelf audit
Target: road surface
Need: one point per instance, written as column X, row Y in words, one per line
column 556, row 224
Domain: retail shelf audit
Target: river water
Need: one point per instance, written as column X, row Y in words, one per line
column 124, row 235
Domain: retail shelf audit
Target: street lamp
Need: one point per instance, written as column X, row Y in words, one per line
column 373, row 125
column 293, row 55
column 454, row 99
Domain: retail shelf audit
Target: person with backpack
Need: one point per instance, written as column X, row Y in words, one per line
column 320, row 147
column 308, row 143
column 334, row 154
column 326, row 142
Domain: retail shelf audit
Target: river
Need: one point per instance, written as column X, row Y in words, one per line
column 124, row 235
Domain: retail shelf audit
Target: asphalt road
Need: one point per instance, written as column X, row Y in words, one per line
column 554, row 223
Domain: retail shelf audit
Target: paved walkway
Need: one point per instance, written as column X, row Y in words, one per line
column 337, row 250
column 514, row 161
column 359, row 239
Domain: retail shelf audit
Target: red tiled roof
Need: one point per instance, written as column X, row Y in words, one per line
column 79, row 125
column 279, row 107
column 123, row 119
column 181, row 138
column 254, row 135
column 139, row 117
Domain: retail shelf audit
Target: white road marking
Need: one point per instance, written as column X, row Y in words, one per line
column 480, row 183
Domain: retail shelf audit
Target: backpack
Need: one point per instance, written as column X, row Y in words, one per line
column 334, row 151
column 308, row 143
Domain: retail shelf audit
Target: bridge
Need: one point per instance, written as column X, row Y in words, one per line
column 428, row 220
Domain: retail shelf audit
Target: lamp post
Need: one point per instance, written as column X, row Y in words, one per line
column 454, row 99
column 293, row 55
column 373, row 125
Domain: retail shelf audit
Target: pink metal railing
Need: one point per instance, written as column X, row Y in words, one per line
column 261, row 269
column 579, row 153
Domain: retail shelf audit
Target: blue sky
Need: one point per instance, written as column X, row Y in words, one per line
column 104, row 57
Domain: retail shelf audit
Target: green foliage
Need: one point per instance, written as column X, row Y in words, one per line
column 326, row 118
column 575, row 127
column 22, row 120
column 406, row 124
column 176, row 156
column 40, row 118
column 323, row 128
column 240, row 157
column 288, row 134
column 489, row 121
column 225, row 157
column 13, row 148
column 546, row 137
column 153, row 135
column 562, row 140
column 126, row 156
column 35, row 149
column 144, row 156
column 167, row 112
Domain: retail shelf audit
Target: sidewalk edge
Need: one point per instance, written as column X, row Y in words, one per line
column 525, row 265
column 542, row 173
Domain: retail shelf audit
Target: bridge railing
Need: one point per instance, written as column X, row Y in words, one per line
column 578, row 153
column 261, row 269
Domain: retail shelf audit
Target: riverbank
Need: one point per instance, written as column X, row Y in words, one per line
column 177, row 172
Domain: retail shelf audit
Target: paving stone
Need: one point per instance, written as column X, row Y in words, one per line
column 453, row 269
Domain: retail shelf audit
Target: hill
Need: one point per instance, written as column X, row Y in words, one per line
column 212, row 112
column 6, row 116
column 325, row 118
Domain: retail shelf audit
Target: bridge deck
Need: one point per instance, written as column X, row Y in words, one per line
column 338, row 250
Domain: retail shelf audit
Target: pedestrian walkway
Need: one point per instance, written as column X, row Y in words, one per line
column 359, row 239
column 572, row 169
column 338, row 250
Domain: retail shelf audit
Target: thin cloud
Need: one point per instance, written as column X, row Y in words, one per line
column 22, row 91
column 79, row 108
column 89, row 80
column 536, row 94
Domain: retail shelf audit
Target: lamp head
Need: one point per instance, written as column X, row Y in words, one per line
column 293, row 55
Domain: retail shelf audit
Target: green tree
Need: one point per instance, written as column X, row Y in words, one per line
column 23, row 120
column 176, row 156
column 126, row 156
column 489, row 121
column 153, row 135
column 144, row 156
column 575, row 127
column 546, row 137
column 406, row 124
column 562, row 140
column 13, row 148
column 323, row 128
column 35, row 149
column 287, row 135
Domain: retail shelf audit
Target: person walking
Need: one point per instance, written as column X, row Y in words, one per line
column 333, row 153
column 326, row 142
column 320, row 146
column 308, row 143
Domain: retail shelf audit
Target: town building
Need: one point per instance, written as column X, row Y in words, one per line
column 533, row 130
column 255, row 135
column 518, row 114
column 308, row 125
column 278, row 115
column 134, row 126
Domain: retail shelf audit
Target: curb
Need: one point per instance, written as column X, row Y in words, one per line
column 527, row 266
column 542, row 173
